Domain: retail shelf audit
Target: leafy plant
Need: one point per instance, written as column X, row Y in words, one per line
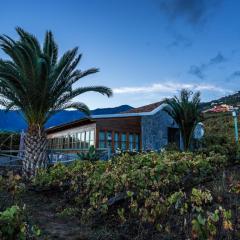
column 14, row 225
column 90, row 155
column 144, row 187
column 205, row 227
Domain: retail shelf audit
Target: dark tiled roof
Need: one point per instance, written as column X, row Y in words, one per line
column 146, row 108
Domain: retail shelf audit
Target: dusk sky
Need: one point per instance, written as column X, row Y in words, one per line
column 146, row 49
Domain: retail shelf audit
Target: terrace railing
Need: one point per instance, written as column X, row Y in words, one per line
column 69, row 155
column 14, row 158
column 11, row 158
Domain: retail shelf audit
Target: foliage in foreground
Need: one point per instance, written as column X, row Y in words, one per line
column 14, row 225
column 162, row 192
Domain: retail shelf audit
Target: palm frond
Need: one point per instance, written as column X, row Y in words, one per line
column 185, row 112
column 35, row 81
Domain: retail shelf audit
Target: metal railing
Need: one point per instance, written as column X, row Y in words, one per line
column 69, row 155
column 14, row 158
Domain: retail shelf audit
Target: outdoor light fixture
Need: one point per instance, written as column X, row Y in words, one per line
column 234, row 114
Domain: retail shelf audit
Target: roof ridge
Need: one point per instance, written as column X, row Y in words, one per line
column 146, row 108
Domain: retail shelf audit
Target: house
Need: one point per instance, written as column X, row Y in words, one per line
column 144, row 128
column 220, row 108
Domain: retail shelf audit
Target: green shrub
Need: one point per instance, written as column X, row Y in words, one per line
column 144, row 187
column 14, row 225
column 90, row 155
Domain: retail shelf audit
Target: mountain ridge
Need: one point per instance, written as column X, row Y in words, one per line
column 14, row 121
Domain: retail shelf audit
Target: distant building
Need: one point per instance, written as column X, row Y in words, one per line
column 144, row 128
column 220, row 108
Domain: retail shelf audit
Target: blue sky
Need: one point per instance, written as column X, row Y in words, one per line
column 146, row 49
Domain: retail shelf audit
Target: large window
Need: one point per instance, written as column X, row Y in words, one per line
column 78, row 140
column 120, row 140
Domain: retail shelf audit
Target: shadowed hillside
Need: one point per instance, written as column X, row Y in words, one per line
column 14, row 121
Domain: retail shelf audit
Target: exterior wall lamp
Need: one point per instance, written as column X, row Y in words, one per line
column 235, row 118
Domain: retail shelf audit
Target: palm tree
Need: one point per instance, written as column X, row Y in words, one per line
column 38, row 83
column 186, row 113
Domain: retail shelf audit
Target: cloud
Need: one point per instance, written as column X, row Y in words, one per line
column 219, row 58
column 234, row 75
column 180, row 41
column 169, row 88
column 199, row 70
column 191, row 11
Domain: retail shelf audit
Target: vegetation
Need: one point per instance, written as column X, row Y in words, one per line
column 90, row 155
column 14, row 225
column 186, row 113
column 164, row 194
column 167, row 195
column 39, row 83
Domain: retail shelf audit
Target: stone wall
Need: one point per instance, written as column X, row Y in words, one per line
column 155, row 130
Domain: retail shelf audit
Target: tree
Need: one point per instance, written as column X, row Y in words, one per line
column 39, row 84
column 186, row 113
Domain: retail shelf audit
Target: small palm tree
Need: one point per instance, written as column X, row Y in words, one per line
column 186, row 113
column 37, row 82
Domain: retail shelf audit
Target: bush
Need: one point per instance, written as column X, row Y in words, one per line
column 90, row 155
column 220, row 144
column 151, row 189
column 14, row 225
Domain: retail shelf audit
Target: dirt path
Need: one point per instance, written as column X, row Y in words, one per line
column 43, row 213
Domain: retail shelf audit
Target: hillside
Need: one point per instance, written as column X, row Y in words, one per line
column 233, row 99
column 14, row 121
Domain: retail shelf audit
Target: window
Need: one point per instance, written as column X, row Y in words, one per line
column 78, row 139
column 82, row 140
column 131, row 142
column 60, row 142
column 109, row 139
column 116, row 140
column 137, row 142
column 92, row 137
column 102, row 140
column 87, row 139
column 65, row 142
column 124, row 141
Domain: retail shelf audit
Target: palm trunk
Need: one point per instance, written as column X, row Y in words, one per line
column 35, row 151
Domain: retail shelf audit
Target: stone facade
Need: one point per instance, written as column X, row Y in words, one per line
column 155, row 130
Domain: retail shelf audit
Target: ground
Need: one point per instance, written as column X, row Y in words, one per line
column 43, row 212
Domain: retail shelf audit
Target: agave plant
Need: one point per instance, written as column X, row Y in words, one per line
column 38, row 83
column 186, row 113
